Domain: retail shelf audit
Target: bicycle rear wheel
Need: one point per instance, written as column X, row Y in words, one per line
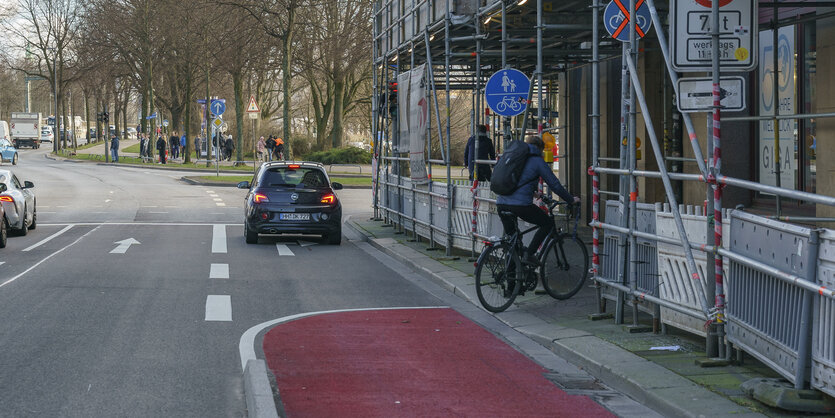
column 565, row 267
column 496, row 275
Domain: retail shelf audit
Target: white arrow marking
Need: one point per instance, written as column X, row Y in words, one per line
column 123, row 245
column 283, row 249
column 306, row 243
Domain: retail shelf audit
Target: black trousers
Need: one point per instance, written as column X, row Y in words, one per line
column 529, row 213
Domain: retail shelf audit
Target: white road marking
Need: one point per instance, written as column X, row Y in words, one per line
column 246, row 346
column 220, row 204
column 123, row 245
column 172, row 207
column 111, row 192
column 48, row 257
column 219, row 271
column 218, row 308
column 217, row 199
column 2, row 262
column 47, row 239
column 90, row 212
column 107, row 200
column 210, row 191
column 157, row 212
column 283, row 249
column 149, row 206
column 218, row 213
column 219, row 239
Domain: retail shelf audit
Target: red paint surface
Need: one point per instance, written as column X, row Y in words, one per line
column 409, row 363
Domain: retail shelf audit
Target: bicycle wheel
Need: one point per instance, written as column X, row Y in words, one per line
column 496, row 277
column 565, row 267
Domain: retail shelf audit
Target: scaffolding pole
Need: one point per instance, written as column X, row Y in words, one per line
column 595, row 150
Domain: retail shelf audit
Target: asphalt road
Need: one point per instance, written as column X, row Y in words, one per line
column 93, row 325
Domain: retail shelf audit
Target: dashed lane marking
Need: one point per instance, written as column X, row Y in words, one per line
column 220, row 203
column 47, row 239
column 218, row 308
column 283, row 249
column 219, row 271
column 219, row 239
column 217, row 199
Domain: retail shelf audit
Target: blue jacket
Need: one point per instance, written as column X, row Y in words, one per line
column 535, row 168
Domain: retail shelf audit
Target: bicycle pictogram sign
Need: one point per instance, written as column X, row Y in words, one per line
column 616, row 19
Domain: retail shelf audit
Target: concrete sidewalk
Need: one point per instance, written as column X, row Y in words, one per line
column 669, row 382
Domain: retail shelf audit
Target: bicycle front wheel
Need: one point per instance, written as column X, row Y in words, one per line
column 565, row 267
column 496, row 277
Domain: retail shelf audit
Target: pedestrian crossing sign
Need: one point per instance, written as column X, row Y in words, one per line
column 253, row 107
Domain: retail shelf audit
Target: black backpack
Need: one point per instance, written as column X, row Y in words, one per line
column 508, row 170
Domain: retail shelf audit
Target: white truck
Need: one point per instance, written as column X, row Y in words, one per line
column 26, row 129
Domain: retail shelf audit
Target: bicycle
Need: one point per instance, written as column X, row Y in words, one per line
column 563, row 263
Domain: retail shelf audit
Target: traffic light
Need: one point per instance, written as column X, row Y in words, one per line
column 103, row 117
column 392, row 99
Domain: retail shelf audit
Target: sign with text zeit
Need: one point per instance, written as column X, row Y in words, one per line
column 692, row 46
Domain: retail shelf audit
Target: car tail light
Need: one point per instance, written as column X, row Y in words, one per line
column 6, row 199
column 259, row 198
column 328, row 198
column 293, row 166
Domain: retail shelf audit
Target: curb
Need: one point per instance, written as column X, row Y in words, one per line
column 259, row 396
column 198, row 182
column 646, row 382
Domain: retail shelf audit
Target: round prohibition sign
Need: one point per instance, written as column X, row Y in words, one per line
column 616, row 19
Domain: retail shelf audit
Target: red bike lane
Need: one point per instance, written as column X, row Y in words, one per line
column 408, row 363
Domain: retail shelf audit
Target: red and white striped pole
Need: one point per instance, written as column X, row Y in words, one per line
column 717, row 205
column 595, row 215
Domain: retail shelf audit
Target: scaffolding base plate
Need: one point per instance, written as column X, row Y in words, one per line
column 601, row 316
column 712, row 362
column 637, row 329
column 779, row 393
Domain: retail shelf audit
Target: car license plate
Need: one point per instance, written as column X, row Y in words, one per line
column 294, row 216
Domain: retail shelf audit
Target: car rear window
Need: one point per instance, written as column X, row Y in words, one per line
column 300, row 177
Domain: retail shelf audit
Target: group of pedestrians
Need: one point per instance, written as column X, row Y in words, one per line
column 271, row 149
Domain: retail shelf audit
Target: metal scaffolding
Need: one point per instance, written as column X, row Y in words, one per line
column 474, row 39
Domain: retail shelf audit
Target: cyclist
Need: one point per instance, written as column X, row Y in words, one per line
column 520, row 202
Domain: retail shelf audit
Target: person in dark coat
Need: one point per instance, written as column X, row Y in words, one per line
column 114, row 148
column 161, row 149
column 230, row 147
column 486, row 151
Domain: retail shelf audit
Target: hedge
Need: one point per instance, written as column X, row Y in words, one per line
column 346, row 155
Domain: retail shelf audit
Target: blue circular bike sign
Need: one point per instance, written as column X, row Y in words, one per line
column 507, row 92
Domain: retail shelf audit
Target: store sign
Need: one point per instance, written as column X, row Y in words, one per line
column 786, row 103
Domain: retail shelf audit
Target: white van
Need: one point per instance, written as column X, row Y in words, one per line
column 4, row 130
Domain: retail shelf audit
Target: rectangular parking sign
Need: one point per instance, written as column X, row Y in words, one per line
column 692, row 47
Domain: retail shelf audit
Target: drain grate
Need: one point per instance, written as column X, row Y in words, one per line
column 575, row 382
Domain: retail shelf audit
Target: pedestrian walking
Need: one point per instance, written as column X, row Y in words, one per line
column 143, row 142
column 183, row 148
column 161, row 149
column 270, row 147
column 486, row 151
column 259, row 148
column 230, row 147
column 114, row 148
column 279, row 149
column 175, row 145
column 197, row 153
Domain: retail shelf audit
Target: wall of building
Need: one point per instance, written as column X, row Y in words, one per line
column 825, row 104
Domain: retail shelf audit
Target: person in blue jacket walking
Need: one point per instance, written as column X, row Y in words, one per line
column 520, row 202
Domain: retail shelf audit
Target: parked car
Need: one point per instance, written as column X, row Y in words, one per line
column 294, row 198
column 131, row 133
column 18, row 201
column 46, row 134
column 92, row 133
column 8, row 152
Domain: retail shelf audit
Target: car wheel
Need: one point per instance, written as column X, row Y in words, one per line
column 23, row 230
column 34, row 223
column 14, row 159
column 4, row 233
column 334, row 238
column 250, row 235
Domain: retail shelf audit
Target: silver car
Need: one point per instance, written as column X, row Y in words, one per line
column 18, row 201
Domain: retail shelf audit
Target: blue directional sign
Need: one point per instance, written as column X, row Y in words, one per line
column 616, row 19
column 218, row 106
column 507, row 92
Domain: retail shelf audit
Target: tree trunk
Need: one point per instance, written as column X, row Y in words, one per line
column 287, row 50
column 143, row 122
column 66, row 124
column 152, row 122
column 187, row 128
column 87, row 116
column 338, row 106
